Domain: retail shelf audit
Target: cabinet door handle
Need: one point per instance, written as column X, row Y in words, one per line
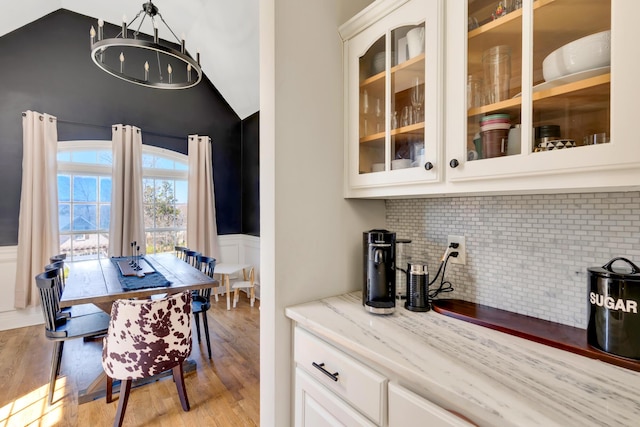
column 454, row 163
column 428, row 166
column 320, row 366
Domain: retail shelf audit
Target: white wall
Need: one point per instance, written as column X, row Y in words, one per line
column 311, row 237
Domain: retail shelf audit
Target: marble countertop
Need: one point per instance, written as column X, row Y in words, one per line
column 493, row 378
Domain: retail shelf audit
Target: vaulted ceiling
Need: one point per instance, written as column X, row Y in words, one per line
column 224, row 31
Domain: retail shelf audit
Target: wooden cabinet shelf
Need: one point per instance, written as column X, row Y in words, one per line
column 413, row 130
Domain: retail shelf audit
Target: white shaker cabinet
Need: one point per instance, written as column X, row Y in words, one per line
column 332, row 388
column 407, row 409
column 571, row 130
column 394, row 87
column 317, row 406
column 330, row 384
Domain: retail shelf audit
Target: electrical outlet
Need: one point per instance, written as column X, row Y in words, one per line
column 461, row 249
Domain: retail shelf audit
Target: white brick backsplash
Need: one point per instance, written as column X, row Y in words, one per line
column 525, row 253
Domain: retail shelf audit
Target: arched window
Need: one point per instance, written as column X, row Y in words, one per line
column 84, row 198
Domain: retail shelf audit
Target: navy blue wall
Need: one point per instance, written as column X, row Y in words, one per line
column 251, row 175
column 46, row 67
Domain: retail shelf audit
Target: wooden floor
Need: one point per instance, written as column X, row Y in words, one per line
column 224, row 391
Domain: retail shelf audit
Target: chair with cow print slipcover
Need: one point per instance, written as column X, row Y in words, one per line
column 146, row 338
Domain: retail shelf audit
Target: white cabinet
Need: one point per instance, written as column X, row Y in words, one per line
column 407, row 409
column 394, row 84
column 597, row 100
column 341, row 378
column 317, row 406
column 334, row 389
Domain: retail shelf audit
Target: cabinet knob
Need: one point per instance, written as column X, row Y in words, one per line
column 454, row 163
column 428, row 166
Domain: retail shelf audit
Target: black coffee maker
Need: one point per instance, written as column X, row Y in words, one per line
column 379, row 287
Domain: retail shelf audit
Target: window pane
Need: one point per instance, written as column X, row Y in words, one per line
column 84, row 217
column 64, row 216
column 105, row 211
column 104, row 157
column 64, row 188
column 87, row 156
column 105, row 189
column 162, row 163
column 181, row 215
column 148, row 191
column 147, row 160
column 165, row 211
column 181, row 191
column 181, row 166
column 64, row 156
column 85, row 188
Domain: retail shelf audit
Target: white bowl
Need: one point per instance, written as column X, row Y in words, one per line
column 587, row 53
column 377, row 167
column 400, row 163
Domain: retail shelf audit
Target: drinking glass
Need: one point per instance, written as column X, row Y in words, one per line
column 417, row 98
column 405, row 117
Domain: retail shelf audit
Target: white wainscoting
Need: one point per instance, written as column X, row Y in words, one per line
column 11, row 318
column 234, row 248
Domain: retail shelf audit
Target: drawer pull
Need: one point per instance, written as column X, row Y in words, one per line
column 333, row 376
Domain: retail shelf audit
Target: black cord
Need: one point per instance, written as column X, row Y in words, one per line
column 445, row 285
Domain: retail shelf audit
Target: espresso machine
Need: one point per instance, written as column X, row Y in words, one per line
column 379, row 286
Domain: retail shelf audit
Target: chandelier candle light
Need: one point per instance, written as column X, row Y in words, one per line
column 176, row 69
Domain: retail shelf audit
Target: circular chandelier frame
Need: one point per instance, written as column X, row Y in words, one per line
column 99, row 47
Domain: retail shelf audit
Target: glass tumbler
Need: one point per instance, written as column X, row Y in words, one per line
column 474, row 92
column 496, row 64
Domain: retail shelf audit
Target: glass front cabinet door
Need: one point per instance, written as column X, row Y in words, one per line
column 542, row 94
column 393, row 58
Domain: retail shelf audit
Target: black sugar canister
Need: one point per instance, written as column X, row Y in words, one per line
column 614, row 300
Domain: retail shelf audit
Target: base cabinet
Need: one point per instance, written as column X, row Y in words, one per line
column 407, row 409
column 334, row 389
column 317, row 406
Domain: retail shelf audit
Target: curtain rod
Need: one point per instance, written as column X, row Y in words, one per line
column 69, row 122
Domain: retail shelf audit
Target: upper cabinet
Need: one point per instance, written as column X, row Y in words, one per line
column 539, row 96
column 393, row 57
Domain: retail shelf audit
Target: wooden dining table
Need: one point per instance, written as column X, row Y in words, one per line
column 98, row 282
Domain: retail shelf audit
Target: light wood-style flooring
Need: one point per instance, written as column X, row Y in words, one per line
column 223, row 391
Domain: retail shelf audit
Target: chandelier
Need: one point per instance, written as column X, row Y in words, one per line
column 141, row 59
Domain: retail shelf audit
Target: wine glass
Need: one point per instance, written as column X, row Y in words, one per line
column 417, row 98
column 365, row 102
column 378, row 114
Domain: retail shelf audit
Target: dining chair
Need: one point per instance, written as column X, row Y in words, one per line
column 145, row 338
column 248, row 284
column 78, row 309
column 190, row 257
column 59, row 328
column 201, row 298
column 180, row 251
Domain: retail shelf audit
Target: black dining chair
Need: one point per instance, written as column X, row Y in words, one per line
column 76, row 310
column 59, row 328
column 201, row 298
column 191, row 257
column 180, row 251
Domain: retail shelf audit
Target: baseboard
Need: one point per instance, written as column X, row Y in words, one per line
column 20, row 318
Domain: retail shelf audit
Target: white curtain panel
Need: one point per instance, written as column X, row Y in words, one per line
column 38, row 235
column 127, row 215
column 202, row 231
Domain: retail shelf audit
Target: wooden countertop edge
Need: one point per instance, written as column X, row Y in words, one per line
column 556, row 335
